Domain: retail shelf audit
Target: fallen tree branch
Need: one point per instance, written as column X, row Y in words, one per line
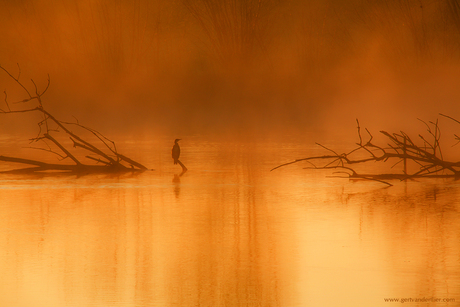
column 427, row 157
column 110, row 159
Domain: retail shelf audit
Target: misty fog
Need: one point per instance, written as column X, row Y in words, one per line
column 237, row 66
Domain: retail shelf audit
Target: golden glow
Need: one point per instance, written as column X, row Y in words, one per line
column 246, row 90
column 151, row 65
column 228, row 232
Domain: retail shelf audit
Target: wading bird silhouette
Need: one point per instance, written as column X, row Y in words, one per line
column 175, row 153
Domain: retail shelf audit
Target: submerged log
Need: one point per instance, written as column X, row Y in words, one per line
column 107, row 158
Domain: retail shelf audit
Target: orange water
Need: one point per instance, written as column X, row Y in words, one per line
column 227, row 233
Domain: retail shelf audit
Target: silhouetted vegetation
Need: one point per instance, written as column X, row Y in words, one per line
column 52, row 135
column 426, row 156
column 233, row 27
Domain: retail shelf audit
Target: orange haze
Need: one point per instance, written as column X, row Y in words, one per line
column 245, row 66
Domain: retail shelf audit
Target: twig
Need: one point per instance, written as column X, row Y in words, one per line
column 62, row 148
column 450, row 118
column 49, row 150
column 359, row 133
column 17, row 79
column 6, row 102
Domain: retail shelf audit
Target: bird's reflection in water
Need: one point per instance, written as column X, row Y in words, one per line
column 176, row 181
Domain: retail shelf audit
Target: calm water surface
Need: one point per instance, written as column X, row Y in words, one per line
column 226, row 233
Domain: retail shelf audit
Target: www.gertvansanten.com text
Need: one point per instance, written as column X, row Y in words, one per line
column 419, row 300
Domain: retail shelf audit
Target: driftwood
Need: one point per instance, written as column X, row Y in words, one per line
column 426, row 156
column 51, row 131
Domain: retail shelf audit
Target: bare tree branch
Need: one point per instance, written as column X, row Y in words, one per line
column 401, row 147
column 111, row 159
